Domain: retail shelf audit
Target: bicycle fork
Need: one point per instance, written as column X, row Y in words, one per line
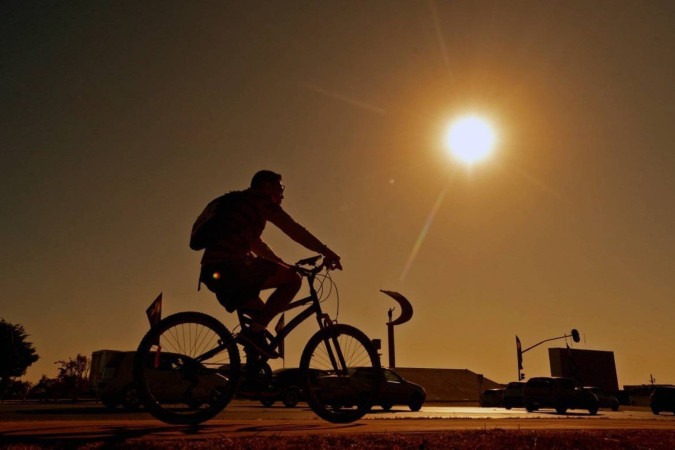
column 333, row 349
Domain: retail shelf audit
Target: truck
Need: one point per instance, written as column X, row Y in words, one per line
column 111, row 378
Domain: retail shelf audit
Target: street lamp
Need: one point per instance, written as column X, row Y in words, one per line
column 574, row 334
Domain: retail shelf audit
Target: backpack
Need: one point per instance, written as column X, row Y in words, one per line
column 209, row 224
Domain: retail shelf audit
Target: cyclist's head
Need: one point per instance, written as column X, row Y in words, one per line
column 270, row 183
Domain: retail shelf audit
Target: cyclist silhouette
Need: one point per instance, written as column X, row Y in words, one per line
column 239, row 264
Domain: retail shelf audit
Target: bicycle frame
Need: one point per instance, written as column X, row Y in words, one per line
column 313, row 309
column 334, row 352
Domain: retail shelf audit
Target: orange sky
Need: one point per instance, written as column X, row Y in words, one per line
column 120, row 120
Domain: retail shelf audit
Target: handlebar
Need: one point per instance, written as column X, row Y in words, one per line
column 311, row 265
column 311, row 261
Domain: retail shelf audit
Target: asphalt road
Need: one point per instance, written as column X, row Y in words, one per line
column 34, row 422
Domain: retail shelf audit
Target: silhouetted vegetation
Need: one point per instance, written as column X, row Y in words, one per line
column 71, row 382
column 16, row 353
column 17, row 390
column 45, row 390
column 73, row 376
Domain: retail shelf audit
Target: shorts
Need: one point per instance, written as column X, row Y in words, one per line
column 235, row 282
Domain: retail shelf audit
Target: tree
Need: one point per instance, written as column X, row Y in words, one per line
column 74, row 375
column 16, row 353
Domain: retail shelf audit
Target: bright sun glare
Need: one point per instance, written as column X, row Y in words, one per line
column 470, row 139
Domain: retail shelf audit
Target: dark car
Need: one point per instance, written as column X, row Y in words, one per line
column 605, row 399
column 560, row 394
column 663, row 399
column 288, row 384
column 287, row 387
column 491, row 397
column 396, row 390
column 513, row 395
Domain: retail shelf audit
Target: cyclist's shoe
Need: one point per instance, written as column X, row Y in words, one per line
column 258, row 341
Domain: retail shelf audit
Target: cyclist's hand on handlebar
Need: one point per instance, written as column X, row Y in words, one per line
column 331, row 259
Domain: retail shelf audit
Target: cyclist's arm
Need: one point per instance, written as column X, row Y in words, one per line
column 301, row 235
column 296, row 231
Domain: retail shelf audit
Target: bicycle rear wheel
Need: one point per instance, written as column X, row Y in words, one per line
column 342, row 373
column 187, row 368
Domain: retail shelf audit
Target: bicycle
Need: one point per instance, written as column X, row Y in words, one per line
column 188, row 367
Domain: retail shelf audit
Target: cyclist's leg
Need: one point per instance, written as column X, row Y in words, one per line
column 253, row 306
column 251, row 279
column 249, row 310
column 287, row 283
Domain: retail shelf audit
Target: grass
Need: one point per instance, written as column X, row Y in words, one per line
column 492, row 439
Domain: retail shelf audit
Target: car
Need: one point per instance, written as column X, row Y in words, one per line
column 393, row 390
column 513, row 395
column 396, row 390
column 287, row 386
column 558, row 393
column 605, row 399
column 491, row 397
column 662, row 399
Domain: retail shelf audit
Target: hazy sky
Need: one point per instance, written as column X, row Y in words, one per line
column 120, row 120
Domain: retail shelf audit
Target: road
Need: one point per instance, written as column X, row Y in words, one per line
column 36, row 423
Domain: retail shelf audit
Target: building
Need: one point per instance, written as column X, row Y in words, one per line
column 588, row 367
column 449, row 385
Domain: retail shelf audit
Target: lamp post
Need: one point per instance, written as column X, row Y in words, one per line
column 574, row 334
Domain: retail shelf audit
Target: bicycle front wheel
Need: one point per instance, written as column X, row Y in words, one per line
column 187, row 368
column 342, row 373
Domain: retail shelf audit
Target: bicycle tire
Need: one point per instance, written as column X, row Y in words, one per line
column 185, row 379
column 346, row 393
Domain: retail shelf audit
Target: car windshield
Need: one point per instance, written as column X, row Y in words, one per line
column 392, row 376
column 540, row 382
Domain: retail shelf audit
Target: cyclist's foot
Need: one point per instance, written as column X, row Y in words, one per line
column 258, row 341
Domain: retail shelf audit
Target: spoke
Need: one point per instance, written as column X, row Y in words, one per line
column 172, row 343
column 322, row 359
column 201, row 342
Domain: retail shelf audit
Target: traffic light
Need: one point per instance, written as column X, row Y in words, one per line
column 575, row 335
column 519, row 354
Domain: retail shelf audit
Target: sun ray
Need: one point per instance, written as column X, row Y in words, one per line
column 540, row 184
column 344, row 98
column 423, row 233
column 440, row 36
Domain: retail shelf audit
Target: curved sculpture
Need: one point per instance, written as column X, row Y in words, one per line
column 406, row 307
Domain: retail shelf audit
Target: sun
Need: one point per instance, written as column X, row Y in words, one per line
column 471, row 139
